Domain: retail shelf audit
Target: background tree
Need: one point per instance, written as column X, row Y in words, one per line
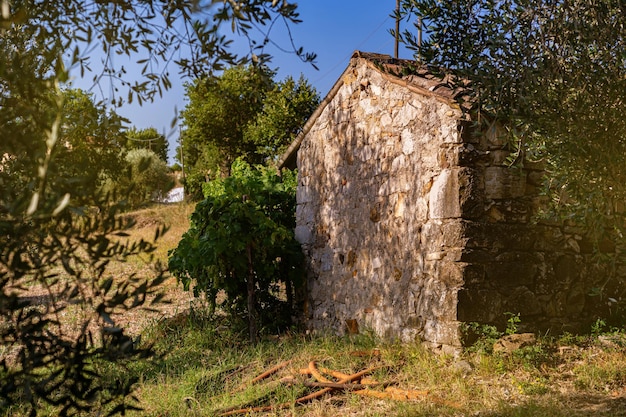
column 147, row 177
column 218, row 112
column 90, row 148
column 241, row 113
column 555, row 73
column 286, row 108
column 49, row 237
column 148, row 138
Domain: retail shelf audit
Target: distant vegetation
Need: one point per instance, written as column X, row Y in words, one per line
column 149, row 139
column 243, row 113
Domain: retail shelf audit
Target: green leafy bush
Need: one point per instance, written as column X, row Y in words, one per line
column 480, row 337
column 241, row 241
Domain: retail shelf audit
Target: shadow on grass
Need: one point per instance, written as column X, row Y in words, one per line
column 569, row 405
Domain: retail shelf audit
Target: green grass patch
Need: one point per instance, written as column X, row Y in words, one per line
column 206, row 366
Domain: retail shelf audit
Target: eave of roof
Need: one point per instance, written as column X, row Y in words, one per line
column 406, row 73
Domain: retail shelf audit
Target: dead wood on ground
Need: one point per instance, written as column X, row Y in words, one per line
column 357, row 383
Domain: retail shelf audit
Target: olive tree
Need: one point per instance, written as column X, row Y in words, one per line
column 147, row 177
column 554, row 72
column 59, row 237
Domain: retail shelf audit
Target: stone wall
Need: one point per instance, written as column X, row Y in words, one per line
column 514, row 264
column 372, row 193
column 411, row 224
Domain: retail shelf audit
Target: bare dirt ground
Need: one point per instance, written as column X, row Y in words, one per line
column 174, row 216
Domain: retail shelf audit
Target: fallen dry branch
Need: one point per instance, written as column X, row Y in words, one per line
column 403, row 394
column 234, row 371
column 264, row 375
column 346, row 380
column 334, row 374
column 316, row 374
column 334, row 385
column 331, row 372
column 301, row 400
column 356, row 383
column 369, row 381
column 271, row 371
column 391, row 393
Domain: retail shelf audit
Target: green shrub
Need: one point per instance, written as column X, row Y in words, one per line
column 241, row 241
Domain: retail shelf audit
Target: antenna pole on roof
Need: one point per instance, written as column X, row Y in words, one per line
column 419, row 38
column 419, row 31
column 397, row 28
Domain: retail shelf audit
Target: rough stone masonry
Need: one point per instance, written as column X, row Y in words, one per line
column 411, row 224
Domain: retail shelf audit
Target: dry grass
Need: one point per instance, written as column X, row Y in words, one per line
column 176, row 218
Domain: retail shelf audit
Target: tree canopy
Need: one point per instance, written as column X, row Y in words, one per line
column 555, row 72
column 286, row 108
column 147, row 177
column 91, row 140
column 241, row 113
column 153, row 33
column 60, row 236
column 148, row 138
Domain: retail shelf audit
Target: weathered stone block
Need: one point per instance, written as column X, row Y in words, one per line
column 471, row 200
column 304, row 235
column 523, row 301
column 451, row 274
column 576, row 298
column 474, row 275
column 503, row 182
column 496, row 136
column 497, row 236
column 444, row 201
column 470, row 156
column 509, row 274
column 479, row 305
column 305, row 194
column 566, row 270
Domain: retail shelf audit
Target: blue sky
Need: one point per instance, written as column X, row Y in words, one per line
column 333, row 29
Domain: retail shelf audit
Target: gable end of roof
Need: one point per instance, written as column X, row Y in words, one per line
column 406, row 73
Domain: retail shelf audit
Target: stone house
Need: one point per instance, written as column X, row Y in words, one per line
column 413, row 224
